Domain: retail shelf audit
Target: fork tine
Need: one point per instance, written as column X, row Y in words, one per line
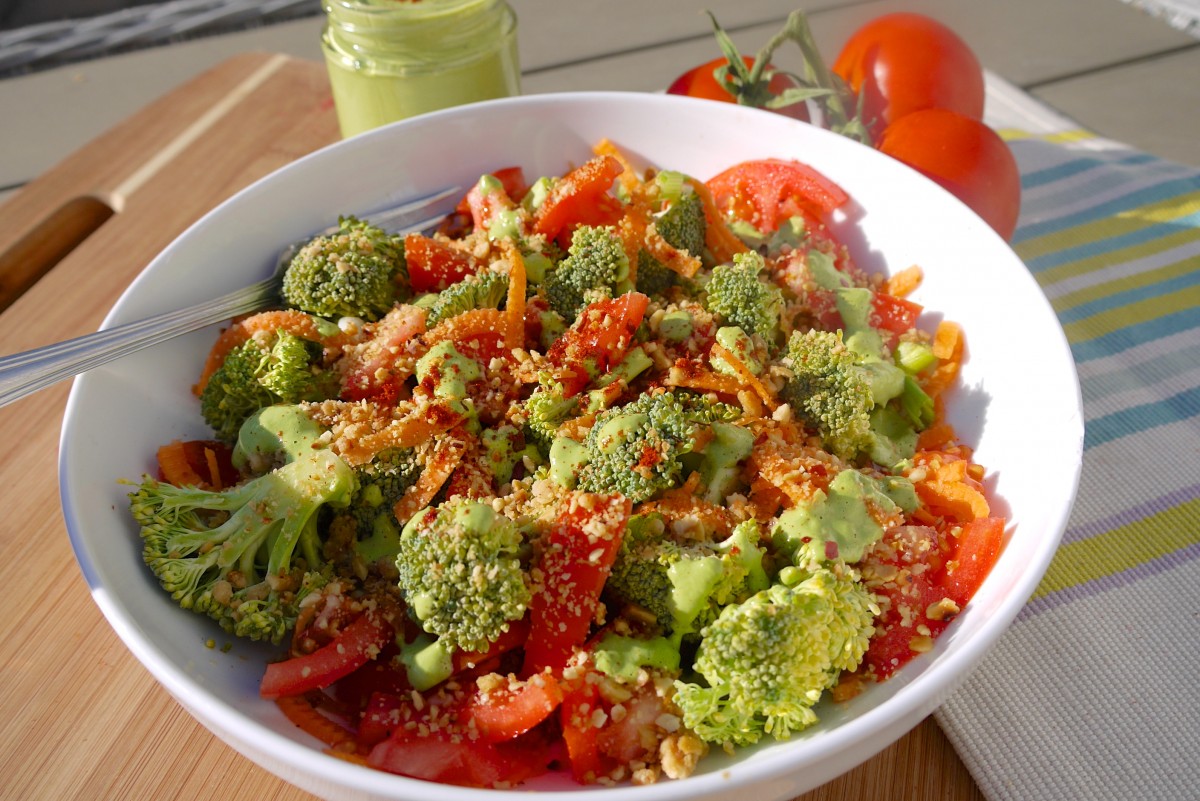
column 398, row 214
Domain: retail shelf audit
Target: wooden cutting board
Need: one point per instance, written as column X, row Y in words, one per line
column 81, row 718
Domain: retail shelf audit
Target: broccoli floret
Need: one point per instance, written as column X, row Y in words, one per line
column 595, row 267
column 829, row 391
column 683, row 224
column 767, row 660
column 247, row 555
column 856, row 401
column 461, row 573
column 636, row 449
column 544, row 411
column 354, row 272
column 684, row 584
column 740, row 297
column 381, row 482
column 486, row 290
column 282, row 368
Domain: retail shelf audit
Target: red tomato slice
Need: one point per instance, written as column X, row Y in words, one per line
column 963, row 156
column 438, row 758
column 581, row 735
column 380, row 717
column 890, row 315
column 508, row 712
column 979, row 547
column 484, row 207
column 577, row 197
column 766, row 192
column 357, row 644
column 597, row 340
column 578, row 556
column 433, row 265
column 901, row 63
column 913, row 556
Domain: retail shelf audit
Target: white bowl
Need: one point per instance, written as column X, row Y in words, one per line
column 1018, row 403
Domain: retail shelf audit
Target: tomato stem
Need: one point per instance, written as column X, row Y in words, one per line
column 750, row 85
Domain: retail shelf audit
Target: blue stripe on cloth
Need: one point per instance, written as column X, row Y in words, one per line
column 1140, row 373
column 1119, row 299
column 1101, row 246
column 1173, row 409
column 1069, row 169
column 1141, row 197
column 1116, row 341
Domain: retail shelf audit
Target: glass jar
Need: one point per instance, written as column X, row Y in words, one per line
column 392, row 59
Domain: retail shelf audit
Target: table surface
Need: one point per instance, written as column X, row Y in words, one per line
column 81, row 718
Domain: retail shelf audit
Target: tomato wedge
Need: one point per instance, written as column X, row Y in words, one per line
column 769, row 191
column 979, row 547
column 433, row 265
column 508, row 712
column 580, row 733
column 356, row 645
column 439, row 758
column 581, row 198
column 890, row 315
column 597, row 340
column 578, row 556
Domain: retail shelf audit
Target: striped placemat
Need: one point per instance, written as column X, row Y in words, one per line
column 1094, row 693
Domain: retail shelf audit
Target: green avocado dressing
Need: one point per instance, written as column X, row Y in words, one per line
column 838, row 522
column 388, row 61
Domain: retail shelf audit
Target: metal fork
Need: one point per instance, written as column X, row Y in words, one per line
column 24, row 373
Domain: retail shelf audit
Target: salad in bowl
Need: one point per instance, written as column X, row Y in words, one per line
column 625, row 473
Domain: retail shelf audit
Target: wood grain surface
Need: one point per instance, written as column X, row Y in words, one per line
column 81, row 718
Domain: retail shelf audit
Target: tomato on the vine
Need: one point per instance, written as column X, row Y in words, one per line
column 701, row 81
column 964, row 156
column 903, row 62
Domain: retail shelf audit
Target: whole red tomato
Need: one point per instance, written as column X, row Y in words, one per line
column 903, row 62
column 965, row 157
column 701, row 82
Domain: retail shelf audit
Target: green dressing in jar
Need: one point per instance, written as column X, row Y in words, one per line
column 393, row 59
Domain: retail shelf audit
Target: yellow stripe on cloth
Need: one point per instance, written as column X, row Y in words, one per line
column 1124, row 222
column 1122, row 548
column 1138, row 280
column 1108, row 258
column 1134, row 313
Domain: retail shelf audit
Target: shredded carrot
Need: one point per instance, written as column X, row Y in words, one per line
column 629, row 178
column 903, row 283
column 948, row 348
column 947, row 341
column 674, row 259
column 632, row 230
column 468, row 325
column 747, row 377
column 694, row 376
column 577, row 428
column 948, row 489
column 694, row 516
column 447, row 455
column 300, row 711
column 214, row 469
column 175, row 467
column 936, row 437
column 514, row 310
column 407, row 432
column 294, row 322
column 721, row 242
column 356, row 758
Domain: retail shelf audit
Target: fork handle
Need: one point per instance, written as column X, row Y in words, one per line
column 24, row 373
